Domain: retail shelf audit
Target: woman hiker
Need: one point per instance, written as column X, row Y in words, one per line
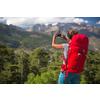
column 72, row 78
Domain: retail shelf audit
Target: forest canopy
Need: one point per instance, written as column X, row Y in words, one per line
column 40, row 67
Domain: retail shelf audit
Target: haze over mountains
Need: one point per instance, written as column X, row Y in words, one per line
column 92, row 31
column 65, row 27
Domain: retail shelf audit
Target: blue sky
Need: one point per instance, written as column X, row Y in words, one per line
column 92, row 20
column 25, row 22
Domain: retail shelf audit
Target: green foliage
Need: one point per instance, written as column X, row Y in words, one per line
column 83, row 80
column 15, row 74
column 43, row 69
column 37, row 54
column 37, row 80
column 91, row 68
column 49, row 77
column 97, row 75
column 23, row 61
column 30, row 78
column 10, row 68
column 5, row 77
column 54, row 66
column 40, row 67
column 44, row 78
column 39, row 61
column 6, row 55
column 56, row 56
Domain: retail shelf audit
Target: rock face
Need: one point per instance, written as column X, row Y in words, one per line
column 64, row 27
column 37, row 28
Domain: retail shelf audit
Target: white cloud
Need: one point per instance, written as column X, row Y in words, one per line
column 54, row 24
column 77, row 20
column 30, row 21
column 86, row 21
column 98, row 22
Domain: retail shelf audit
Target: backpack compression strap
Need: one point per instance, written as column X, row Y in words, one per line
column 65, row 67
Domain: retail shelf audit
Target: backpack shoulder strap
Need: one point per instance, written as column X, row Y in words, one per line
column 63, row 54
column 64, row 57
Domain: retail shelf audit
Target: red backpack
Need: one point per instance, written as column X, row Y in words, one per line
column 77, row 54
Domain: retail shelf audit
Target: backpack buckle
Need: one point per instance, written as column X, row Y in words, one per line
column 79, row 54
column 63, row 71
column 83, row 50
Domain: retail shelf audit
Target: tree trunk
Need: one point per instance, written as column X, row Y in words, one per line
column 38, row 64
column 22, row 67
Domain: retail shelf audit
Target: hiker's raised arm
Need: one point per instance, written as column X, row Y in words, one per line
column 58, row 46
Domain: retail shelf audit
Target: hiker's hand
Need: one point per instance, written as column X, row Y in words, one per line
column 55, row 35
column 62, row 36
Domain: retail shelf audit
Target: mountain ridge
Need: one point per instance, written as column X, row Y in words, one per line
column 11, row 35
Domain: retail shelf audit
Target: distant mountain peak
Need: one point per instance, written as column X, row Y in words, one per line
column 17, row 27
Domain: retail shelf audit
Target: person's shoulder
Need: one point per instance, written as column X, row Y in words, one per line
column 65, row 45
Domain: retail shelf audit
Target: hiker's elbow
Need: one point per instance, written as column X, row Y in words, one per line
column 52, row 45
